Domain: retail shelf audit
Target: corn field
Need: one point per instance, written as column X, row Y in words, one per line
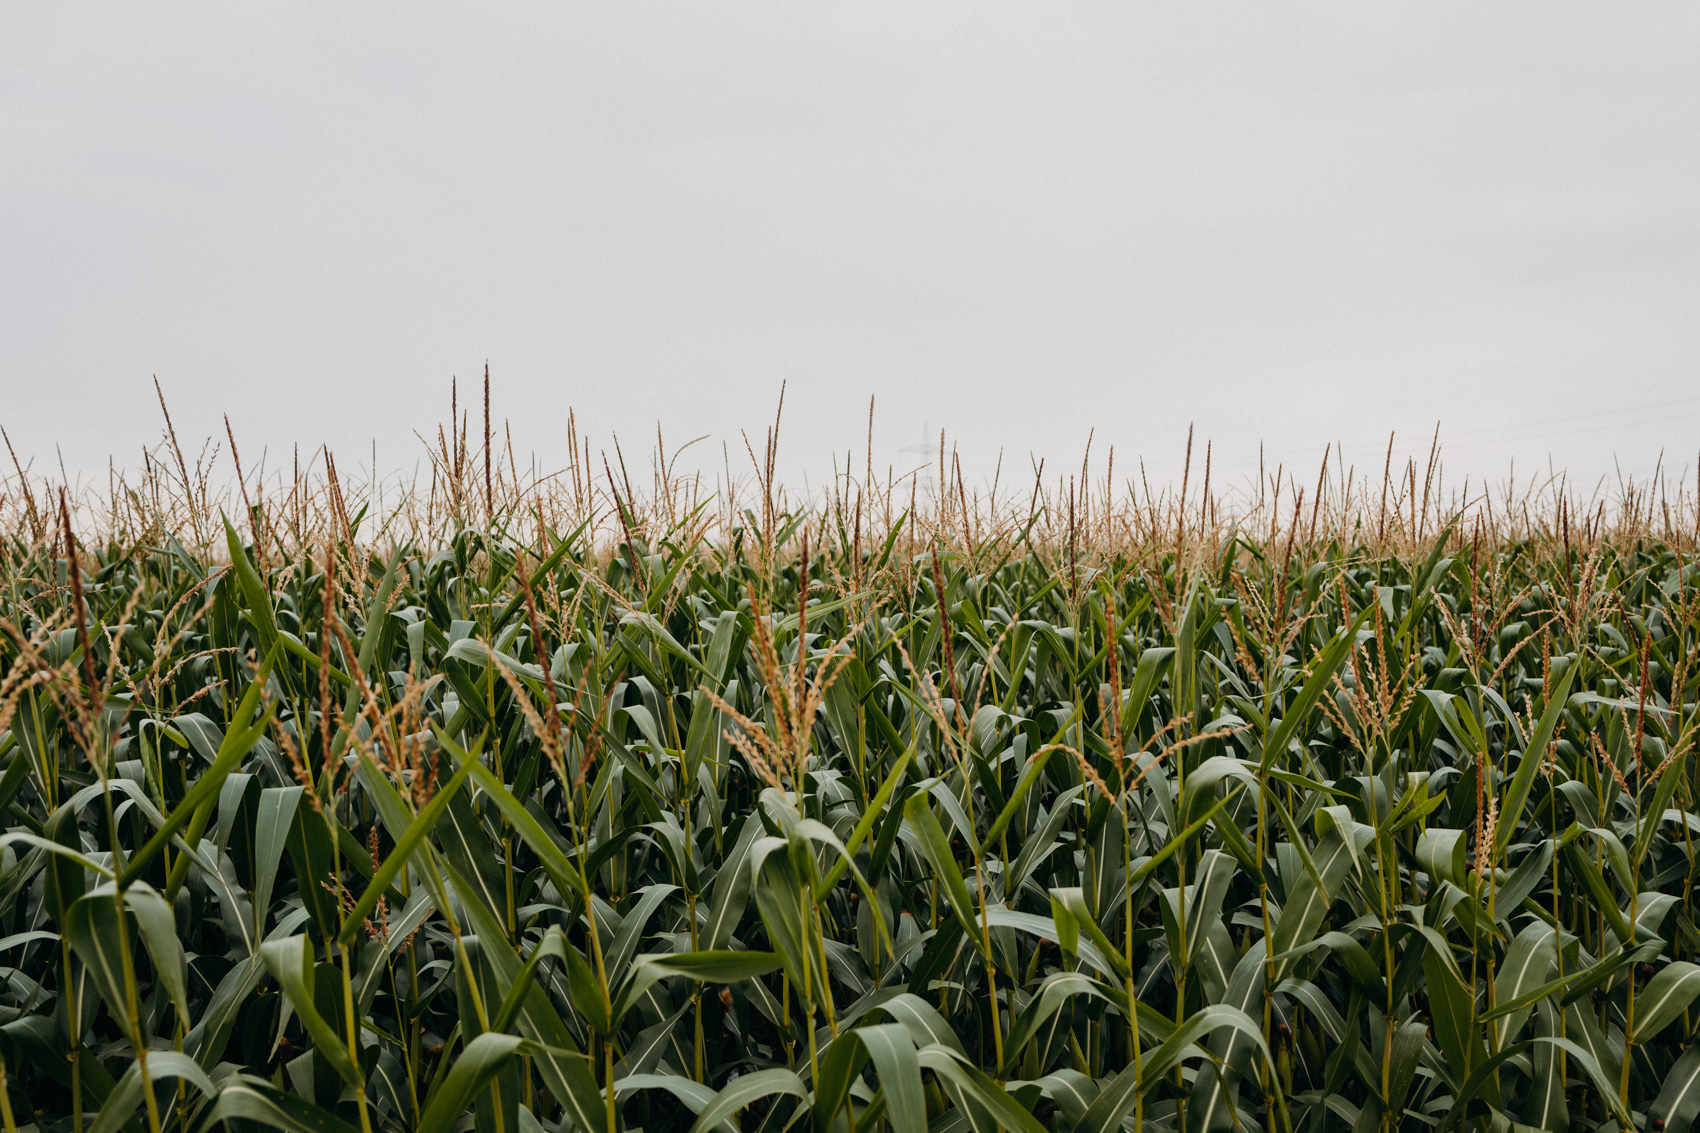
column 519, row 803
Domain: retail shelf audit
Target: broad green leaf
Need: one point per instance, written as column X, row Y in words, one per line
column 695, row 1095
column 250, row 1099
column 1451, row 1006
column 206, row 1041
column 1160, row 1061
column 705, row 967
column 1534, row 753
column 1477, row 1082
column 1322, row 671
column 478, row 1063
column 1050, row 997
column 555, row 863
column 1025, row 784
column 731, row 891
column 126, row 1098
column 1584, row 870
column 290, row 962
column 1679, row 1097
column 1444, row 853
column 272, row 821
column 93, row 927
column 1526, row 965
column 1212, row 1089
column 975, row 1088
column 555, row 1055
column 1544, row 1105
column 919, row 814
column 746, row 1089
column 197, row 806
column 158, row 929
column 1308, row 901
column 1072, row 917
column 900, row 1074
column 416, row 832
column 1666, row 996
column 254, row 592
column 865, row 824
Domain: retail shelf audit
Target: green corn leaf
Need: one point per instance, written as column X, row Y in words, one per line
column 918, row 812
column 731, row 891
column 1482, row 1074
column 1679, row 1097
column 479, row 1062
column 1451, row 1006
column 158, row 930
column 311, row 847
column 1322, row 671
column 1444, row 854
column 1211, row 1094
column 1671, row 775
column 586, row 992
column 694, row 1095
column 704, row 967
column 1584, row 870
column 272, row 821
column 544, row 569
column 865, row 824
column 1527, row 963
column 17, row 772
column 1666, row 996
column 207, row 1040
column 1178, row 842
column 126, row 1097
column 254, row 592
column 1308, row 903
column 976, row 1088
column 1028, row 777
column 1544, row 1105
column 1050, row 997
column 1534, row 753
column 555, row 1054
column 290, row 962
column 250, row 1099
column 632, row 924
column 747, row 1088
column 1117, row 1097
column 1072, row 917
column 560, row 869
column 416, row 832
column 898, row 1070
column 92, row 927
column 196, row 808
column 1218, row 1016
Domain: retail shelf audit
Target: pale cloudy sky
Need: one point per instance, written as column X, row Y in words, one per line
column 1292, row 224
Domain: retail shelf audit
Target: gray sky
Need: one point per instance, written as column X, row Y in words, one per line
column 1294, row 224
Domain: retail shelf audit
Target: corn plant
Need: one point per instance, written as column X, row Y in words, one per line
column 581, row 811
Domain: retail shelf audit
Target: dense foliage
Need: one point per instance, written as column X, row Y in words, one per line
column 530, row 832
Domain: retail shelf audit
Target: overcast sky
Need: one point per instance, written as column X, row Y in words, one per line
column 1288, row 224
